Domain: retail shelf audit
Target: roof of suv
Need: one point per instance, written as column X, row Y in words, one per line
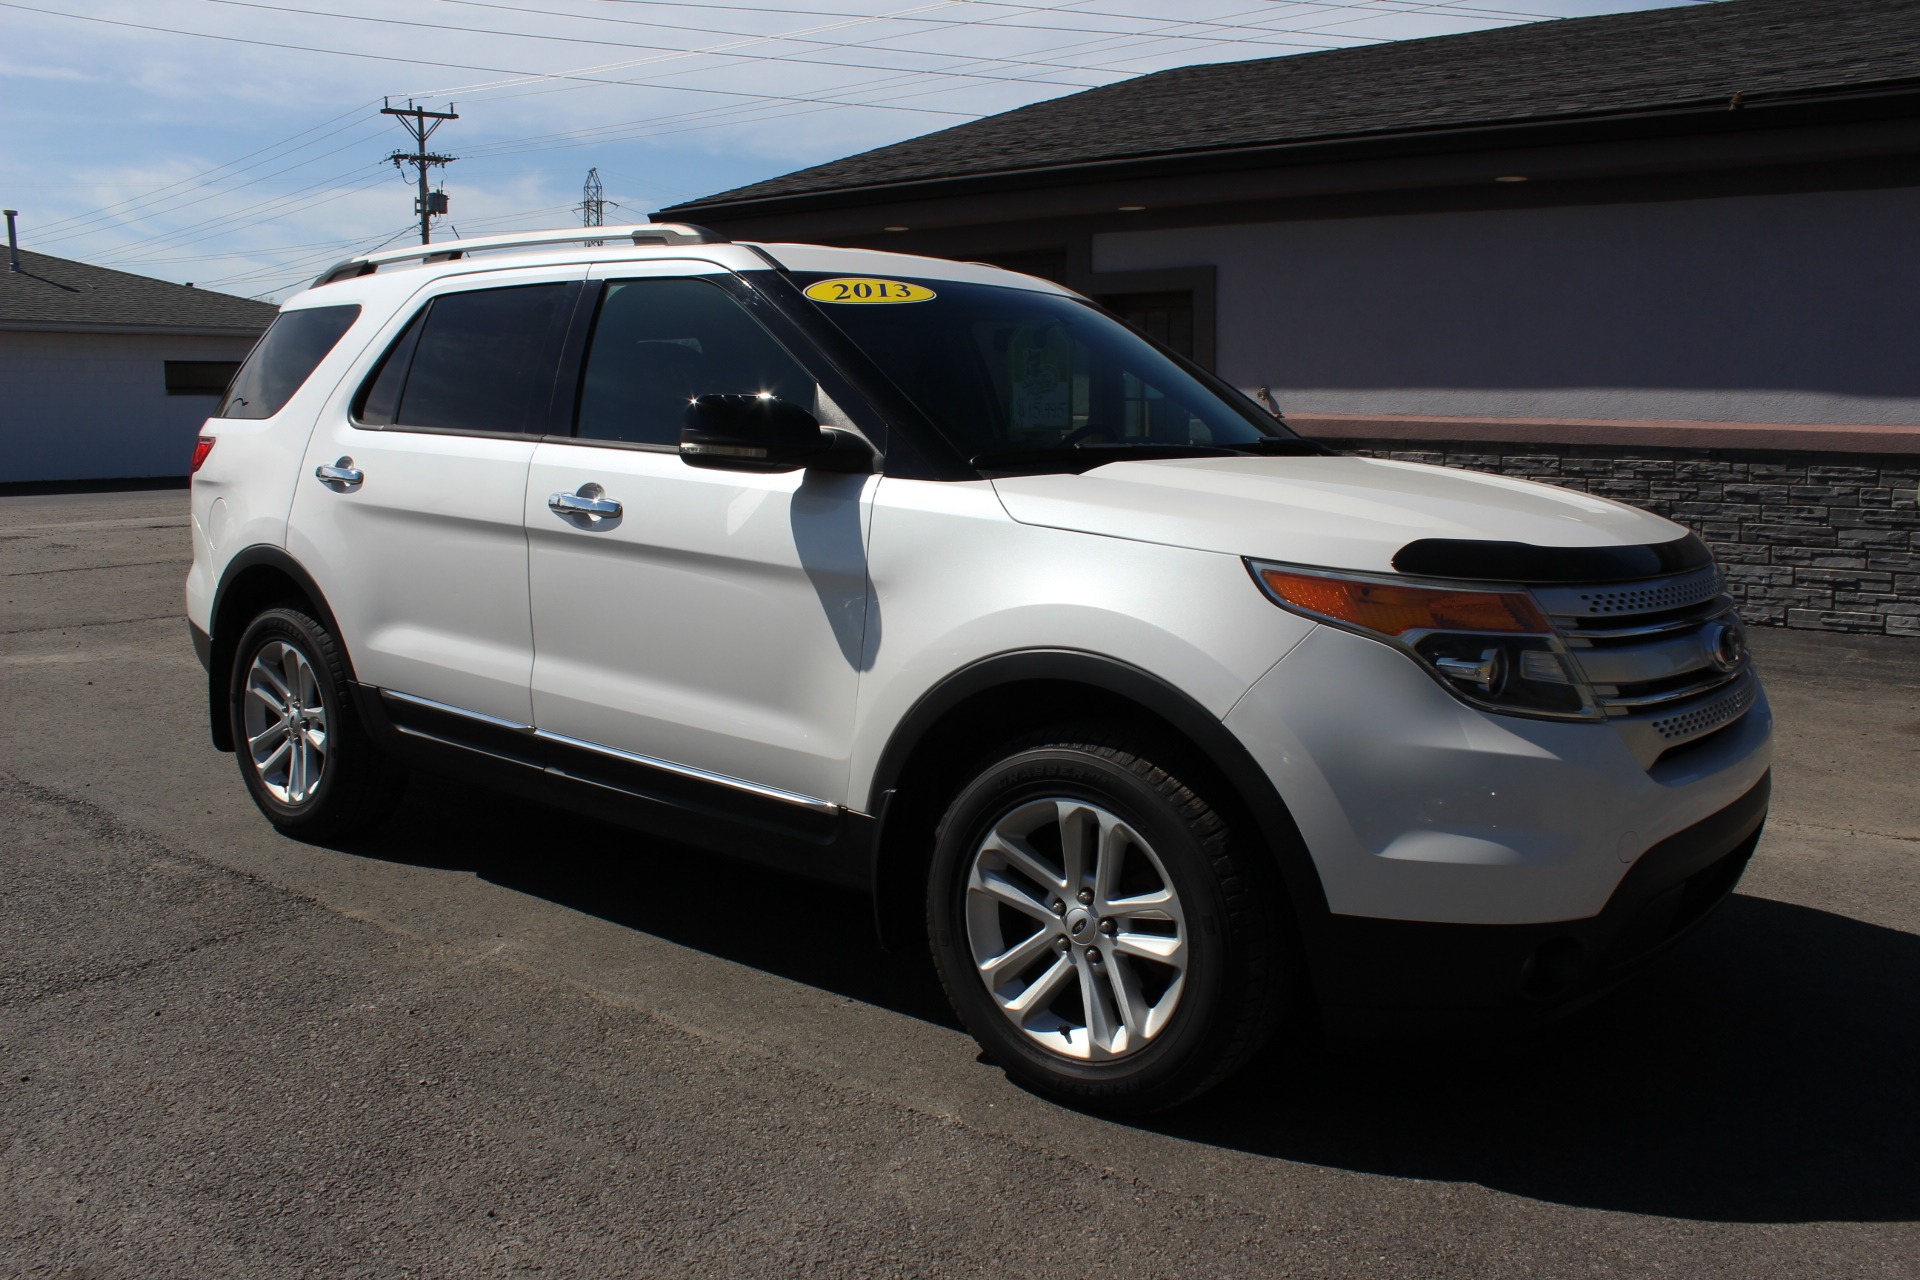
column 404, row 271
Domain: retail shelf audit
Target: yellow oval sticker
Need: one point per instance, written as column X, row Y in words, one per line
column 863, row 289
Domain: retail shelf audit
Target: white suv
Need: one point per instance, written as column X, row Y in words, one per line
column 1162, row 724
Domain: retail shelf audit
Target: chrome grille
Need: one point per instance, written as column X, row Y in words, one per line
column 1651, row 654
column 1704, row 719
column 1634, row 597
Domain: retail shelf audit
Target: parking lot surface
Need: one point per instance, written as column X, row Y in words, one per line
column 496, row 1040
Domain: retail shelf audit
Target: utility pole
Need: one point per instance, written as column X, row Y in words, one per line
column 414, row 120
column 593, row 203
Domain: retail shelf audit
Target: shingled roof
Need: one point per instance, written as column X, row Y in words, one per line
column 57, row 293
column 1615, row 64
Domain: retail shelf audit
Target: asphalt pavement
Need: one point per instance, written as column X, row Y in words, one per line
column 497, row 1040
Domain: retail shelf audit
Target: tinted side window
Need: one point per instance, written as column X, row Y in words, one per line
column 480, row 362
column 379, row 399
column 292, row 347
column 659, row 343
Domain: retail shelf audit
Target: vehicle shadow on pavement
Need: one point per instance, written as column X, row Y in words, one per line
column 1767, row 1071
column 777, row 923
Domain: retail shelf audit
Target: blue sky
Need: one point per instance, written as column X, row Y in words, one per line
column 249, row 154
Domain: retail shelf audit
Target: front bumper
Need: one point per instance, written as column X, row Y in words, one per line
column 1417, row 807
column 1388, row 972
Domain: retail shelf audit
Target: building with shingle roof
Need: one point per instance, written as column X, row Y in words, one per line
column 1644, row 74
column 108, row 375
column 1671, row 255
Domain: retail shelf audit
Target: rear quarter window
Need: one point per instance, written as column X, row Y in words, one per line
column 286, row 355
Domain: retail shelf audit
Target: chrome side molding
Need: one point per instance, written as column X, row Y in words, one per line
column 813, row 803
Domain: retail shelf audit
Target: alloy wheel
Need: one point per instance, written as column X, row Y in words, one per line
column 285, row 719
column 1075, row 929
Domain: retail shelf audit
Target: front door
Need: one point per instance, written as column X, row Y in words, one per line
column 408, row 507
column 718, row 621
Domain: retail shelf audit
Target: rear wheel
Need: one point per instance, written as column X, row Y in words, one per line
column 306, row 758
column 1099, row 930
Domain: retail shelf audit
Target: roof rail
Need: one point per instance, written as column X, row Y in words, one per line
column 644, row 233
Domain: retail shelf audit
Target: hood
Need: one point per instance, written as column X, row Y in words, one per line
column 1334, row 512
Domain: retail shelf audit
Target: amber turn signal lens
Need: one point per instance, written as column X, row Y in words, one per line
column 1394, row 610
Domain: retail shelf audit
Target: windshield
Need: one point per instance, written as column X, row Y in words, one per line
column 1012, row 376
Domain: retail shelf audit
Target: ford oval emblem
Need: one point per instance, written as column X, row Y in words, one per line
column 1726, row 646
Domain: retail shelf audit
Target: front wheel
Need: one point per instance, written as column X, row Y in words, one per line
column 307, row 760
column 1099, row 929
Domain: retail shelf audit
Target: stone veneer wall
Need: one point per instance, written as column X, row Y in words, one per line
column 1819, row 541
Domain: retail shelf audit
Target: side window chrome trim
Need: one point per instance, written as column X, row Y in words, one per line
column 472, row 432
column 631, row 446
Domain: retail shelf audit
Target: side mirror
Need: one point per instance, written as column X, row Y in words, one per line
column 765, row 433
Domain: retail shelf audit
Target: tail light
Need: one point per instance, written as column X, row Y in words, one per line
column 201, row 448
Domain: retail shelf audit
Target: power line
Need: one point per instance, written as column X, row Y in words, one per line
column 235, row 165
column 153, row 209
column 430, row 62
column 671, row 51
column 222, row 224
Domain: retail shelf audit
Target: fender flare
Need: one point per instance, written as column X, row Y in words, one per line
column 1253, row 790
column 222, row 641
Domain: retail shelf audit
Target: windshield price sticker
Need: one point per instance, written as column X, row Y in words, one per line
column 863, row 289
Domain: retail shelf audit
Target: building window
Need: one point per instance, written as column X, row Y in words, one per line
column 1167, row 317
column 200, row 377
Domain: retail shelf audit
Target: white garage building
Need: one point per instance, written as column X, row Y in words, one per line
column 105, row 375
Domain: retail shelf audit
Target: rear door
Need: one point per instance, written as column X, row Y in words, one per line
column 408, row 510
column 717, row 625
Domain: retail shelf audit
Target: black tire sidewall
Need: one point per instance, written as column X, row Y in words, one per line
column 1158, row 1072
column 291, row 627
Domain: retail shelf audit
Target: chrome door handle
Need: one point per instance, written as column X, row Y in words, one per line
column 583, row 504
column 342, row 473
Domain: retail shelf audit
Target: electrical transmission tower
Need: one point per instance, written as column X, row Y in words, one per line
column 415, row 121
column 593, row 201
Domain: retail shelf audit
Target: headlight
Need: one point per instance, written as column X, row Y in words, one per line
column 1490, row 647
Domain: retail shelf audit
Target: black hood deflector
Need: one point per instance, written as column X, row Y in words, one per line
column 1477, row 561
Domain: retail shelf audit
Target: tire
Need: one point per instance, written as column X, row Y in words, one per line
column 313, row 770
column 1176, row 935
